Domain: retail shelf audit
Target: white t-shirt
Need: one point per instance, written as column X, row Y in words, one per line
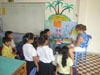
column 13, row 44
column 29, row 52
column 45, row 54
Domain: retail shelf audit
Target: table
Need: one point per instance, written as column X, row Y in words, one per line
column 10, row 66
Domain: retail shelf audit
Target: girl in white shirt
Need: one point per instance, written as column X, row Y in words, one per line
column 29, row 52
column 46, row 56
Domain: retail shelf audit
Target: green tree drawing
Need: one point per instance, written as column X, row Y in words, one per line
column 67, row 6
column 57, row 3
column 51, row 5
column 54, row 5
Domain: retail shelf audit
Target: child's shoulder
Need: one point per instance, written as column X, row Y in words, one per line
column 6, row 48
column 69, row 59
column 59, row 56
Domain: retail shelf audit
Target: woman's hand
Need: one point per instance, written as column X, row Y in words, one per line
column 72, row 39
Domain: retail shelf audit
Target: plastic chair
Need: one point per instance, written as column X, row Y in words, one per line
column 83, row 52
column 33, row 72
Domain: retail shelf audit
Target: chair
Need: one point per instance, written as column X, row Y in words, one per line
column 83, row 52
column 33, row 72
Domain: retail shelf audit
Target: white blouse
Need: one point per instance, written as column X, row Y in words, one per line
column 29, row 52
column 45, row 54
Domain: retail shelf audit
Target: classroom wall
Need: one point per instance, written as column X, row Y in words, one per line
column 89, row 15
column 3, row 0
column 72, row 14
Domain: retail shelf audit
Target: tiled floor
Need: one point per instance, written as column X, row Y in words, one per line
column 91, row 68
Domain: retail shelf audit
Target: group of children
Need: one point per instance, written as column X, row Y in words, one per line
column 41, row 55
column 9, row 47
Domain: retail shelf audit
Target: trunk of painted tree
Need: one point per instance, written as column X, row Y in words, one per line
column 63, row 10
column 54, row 9
column 58, row 8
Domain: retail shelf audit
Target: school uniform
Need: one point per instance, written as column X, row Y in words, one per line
column 29, row 52
column 45, row 60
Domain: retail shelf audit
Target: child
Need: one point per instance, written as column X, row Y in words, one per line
column 64, row 63
column 29, row 52
column 7, row 50
column 10, row 35
column 58, row 52
column 79, row 44
column 47, row 31
column 46, row 56
column 42, row 33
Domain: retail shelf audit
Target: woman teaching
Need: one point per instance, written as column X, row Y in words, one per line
column 81, row 41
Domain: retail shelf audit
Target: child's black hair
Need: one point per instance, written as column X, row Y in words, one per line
column 42, row 39
column 6, row 39
column 35, row 43
column 7, row 33
column 42, row 33
column 46, row 30
column 65, row 55
column 58, row 49
column 28, row 36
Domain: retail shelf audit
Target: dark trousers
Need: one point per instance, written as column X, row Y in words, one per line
column 46, row 69
column 30, row 65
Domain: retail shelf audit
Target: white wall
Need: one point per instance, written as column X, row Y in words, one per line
column 3, row 0
column 24, row 17
column 89, row 15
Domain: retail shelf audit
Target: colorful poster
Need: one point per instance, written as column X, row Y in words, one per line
column 0, row 11
column 3, row 11
column 1, row 25
column 62, row 16
column 10, row 0
column 61, row 28
column 57, row 23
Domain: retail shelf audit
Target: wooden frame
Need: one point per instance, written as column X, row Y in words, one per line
column 21, row 70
